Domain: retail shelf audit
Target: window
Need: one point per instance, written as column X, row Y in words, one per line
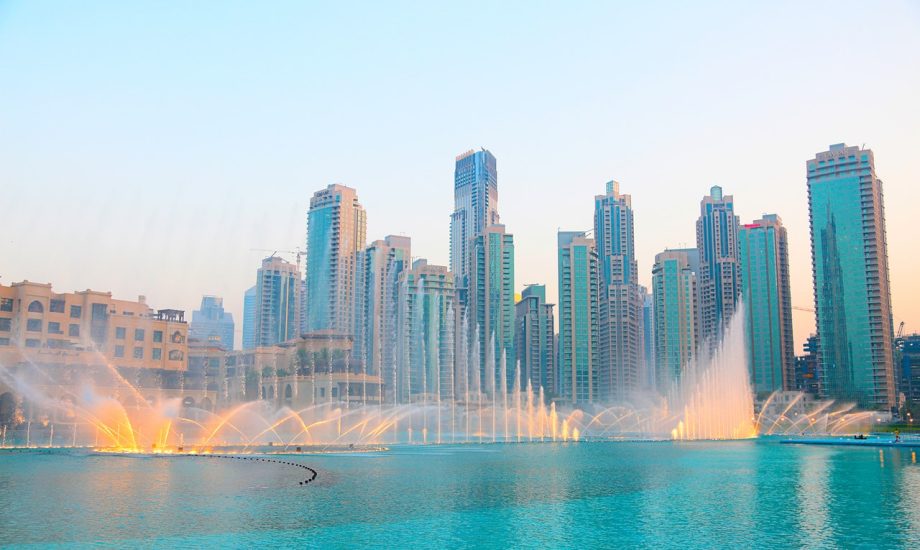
column 176, row 355
column 74, row 330
column 139, row 334
column 4, row 341
column 158, row 336
column 6, row 304
column 76, row 312
column 36, row 307
column 157, row 354
column 119, row 333
column 5, row 324
column 119, row 351
column 56, row 306
column 34, row 325
column 33, row 343
column 54, row 328
column 138, row 353
column 58, row 344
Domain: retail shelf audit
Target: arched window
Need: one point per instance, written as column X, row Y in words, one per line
column 288, row 393
column 36, row 307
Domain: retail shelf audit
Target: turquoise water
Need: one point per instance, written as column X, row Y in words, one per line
column 689, row 495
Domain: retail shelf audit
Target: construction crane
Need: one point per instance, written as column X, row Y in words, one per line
column 296, row 252
column 901, row 329
column 801, row 308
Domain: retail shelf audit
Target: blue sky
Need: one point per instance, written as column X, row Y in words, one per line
column 146, row 147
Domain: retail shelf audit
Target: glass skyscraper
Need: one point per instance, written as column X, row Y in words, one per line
column 620, row 304
column 277, row 302
column 534, row 340
column 475, row 209
column 674, row 295
column 491, row 297
column 336, row 233
column 850, row 269
column 377, row 283
column 249, row 318
column 719, row 274
column 578, row 317
column 764, row 255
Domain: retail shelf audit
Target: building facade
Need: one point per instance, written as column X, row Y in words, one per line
column 336, row 234
column 719, row 276
column 578, row 317
column 212, row 324
column 850, row 273
column 535, row 341
column 764, row 260
column 277, row 302
column 620, row 303
column 425, row 335
column 491, row 296
column 676, row 319
column 377, row 289
column 249, row 318
column 807, row 373
column 475, row 209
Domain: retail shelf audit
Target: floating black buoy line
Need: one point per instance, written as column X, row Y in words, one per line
column 313, row 472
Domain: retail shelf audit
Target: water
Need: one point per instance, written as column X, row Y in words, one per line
column 753, row 493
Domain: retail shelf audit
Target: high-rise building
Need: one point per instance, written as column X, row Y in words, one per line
column 764, row 258
column 850, row 267
column 249, row 318
column 534, row 340
column 277, row 307
column 336, row 233
column 211, row 325
column 674, row 294
column 424, row 370
column 909, row 383
column 475, row 209
column 719, row 275
column 620, row 304
column 491, row 296
column 578, row 318
column 647, row 378
column 380, row 266
column 807, row 374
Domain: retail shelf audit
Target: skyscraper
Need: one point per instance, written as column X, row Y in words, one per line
column 475, row 209
column 719, row 274
column 211, row 325
column 578, row 317
column 380, row 266
column 647, row 378
column 425, row 332
column 764, row 256
column 336, row 233
column 249, row 318
column 619, row 336
column 850, row 267
column 534, row 340
column 277, row 302
column 674, row 294
column 491, row 296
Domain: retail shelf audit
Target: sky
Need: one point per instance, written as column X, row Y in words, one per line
column 154, row 148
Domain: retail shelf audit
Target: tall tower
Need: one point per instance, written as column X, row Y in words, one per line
column 674, row 297
column 380, row 266
column 764, row 254
column 620, row 301
column 719, row 275
column 475, row 209
column 336, row 233
column 249, row 318
column 849, row 255
column 277, row 308
column 578, row 317
column 491, row 304
column 424, row 370
column 534, row 340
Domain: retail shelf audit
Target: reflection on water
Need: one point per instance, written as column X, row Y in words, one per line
column 736, row 494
